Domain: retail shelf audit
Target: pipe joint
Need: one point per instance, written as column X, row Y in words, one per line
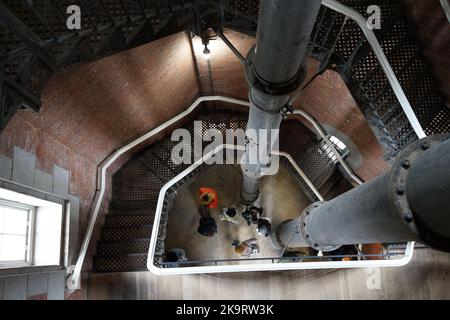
column 256, row 82
column 309, row 238
column 400, row 191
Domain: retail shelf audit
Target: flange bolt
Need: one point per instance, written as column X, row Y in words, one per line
column 409, row 217
column 425, row 146
column 406, row 164
column 400, row 189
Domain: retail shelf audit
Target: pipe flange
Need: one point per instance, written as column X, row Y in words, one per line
column 398, row 177
column 304, row 222
column 273, row 89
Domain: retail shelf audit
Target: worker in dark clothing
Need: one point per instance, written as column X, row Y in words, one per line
column 207, row 226
column 252, row 215
column 247, row 247
column 229, row 214
column 264, row 227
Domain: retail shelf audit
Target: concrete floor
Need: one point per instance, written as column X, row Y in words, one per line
column 182, row 233
column 427, row 276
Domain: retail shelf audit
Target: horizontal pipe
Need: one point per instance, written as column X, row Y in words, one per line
column 428, row 191
column 409, row 203
column 254, row 267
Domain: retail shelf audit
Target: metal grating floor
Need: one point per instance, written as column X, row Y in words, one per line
column 127, row 230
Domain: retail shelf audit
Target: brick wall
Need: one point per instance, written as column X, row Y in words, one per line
column 91, row 110
column 433, row 31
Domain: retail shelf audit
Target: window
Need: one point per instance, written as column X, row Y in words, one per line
column 16, row 234
column 31, row 231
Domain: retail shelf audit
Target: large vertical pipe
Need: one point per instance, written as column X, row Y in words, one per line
column 409, row 203
column 284, row 28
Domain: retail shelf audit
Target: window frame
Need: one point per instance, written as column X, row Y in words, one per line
column 30, row 239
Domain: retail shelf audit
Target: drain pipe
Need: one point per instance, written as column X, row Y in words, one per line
column 275, row 69
column 409, row 203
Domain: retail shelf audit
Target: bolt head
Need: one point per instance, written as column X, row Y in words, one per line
column 400, row 189
column 425, row 146
column 303, row 224
column 408, row 217
column 406, row 164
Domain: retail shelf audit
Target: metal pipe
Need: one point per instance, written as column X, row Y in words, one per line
column 284, row 28
column 274, row 72
column 259, row 119
column 409, row 203
column 428, row 193
column 155, row 268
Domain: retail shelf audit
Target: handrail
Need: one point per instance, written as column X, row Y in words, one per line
column 382, row 59
column 323, row 135
column 253, row 267
column 294, row 258
column 73, row 281
column 300, row 173
column 446, row 7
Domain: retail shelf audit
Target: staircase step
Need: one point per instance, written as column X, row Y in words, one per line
column 123, row 248
column 130, row 233
column 128, row 220
column 126, row 263
column 134, row 205
column 129, row 212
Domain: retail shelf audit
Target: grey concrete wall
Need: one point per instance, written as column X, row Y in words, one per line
column 41, row 284
column 21, row 175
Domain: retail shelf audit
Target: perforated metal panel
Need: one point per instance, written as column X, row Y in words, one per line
column 137, row 184
column 41, row 44
column 35, row 41
column 116, row 248
column 130, row 220
column 132, row 262
column 126, row 233
column 365, row 77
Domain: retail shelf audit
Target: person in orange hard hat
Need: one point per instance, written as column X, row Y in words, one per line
column 208, row 197
column 208, row 200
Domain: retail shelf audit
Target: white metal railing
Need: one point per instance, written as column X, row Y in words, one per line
column 261, row 266
column 382, row 59
column 446, row 7
column 73, row 281
column 324, row 136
